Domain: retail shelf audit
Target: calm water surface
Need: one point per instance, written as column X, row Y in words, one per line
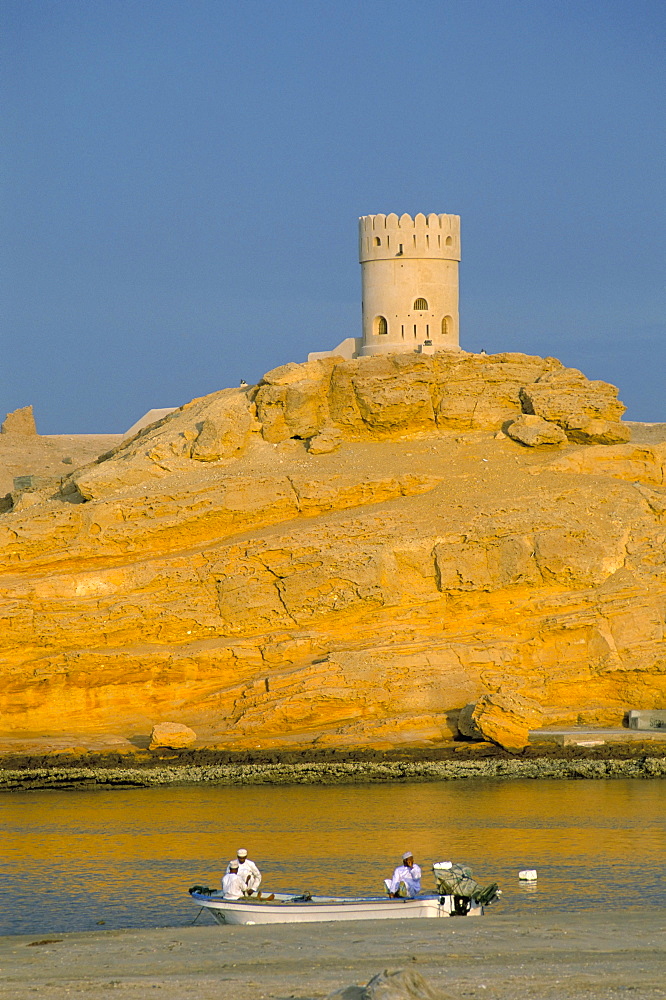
column 72, row 859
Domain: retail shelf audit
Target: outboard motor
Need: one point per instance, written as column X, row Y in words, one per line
column 458, row 882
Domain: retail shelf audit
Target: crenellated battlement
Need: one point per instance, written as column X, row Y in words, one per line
column 386, row 237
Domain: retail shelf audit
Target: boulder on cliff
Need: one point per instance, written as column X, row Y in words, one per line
column 506, row 718
column 593, row 430
column 534, row 431
column 20, row 421
column 589, row 412
column 292, row 400
column 327, row 440
column 224, row 429
column 171, row 735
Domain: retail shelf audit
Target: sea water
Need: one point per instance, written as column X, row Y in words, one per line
column 79, row 860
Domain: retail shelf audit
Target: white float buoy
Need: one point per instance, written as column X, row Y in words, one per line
column 527, row 875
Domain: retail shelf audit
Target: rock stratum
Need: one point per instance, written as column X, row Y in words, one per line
column 347, row 554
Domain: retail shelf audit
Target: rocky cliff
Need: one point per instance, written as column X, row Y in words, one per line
column 347, row 554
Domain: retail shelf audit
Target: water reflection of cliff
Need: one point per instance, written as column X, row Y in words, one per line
column 128, row 857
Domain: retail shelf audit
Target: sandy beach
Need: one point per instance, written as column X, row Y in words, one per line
column 497, row 957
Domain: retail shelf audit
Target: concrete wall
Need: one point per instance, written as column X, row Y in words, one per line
column 348, row 348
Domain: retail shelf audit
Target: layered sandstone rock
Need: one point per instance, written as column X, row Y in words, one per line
column 382, row 398
column 19, row 422
column 634, row 463
column 219, row 569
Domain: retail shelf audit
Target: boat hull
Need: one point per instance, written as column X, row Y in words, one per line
column 323, row 909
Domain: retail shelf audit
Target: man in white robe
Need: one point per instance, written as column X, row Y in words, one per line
column 233, row 886
column 407, row 874
column 248, row 871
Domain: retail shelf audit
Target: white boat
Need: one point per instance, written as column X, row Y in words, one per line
column 458, row 894
column 285, row 909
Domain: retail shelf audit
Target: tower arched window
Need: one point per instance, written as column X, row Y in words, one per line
column 420, row 305
column 378, row 242
column 447, row 326
column 449, row 241
column 381, row 326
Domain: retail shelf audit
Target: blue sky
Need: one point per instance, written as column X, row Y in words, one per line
column 181, row 182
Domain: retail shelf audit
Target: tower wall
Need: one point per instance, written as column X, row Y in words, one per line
column 410, row 282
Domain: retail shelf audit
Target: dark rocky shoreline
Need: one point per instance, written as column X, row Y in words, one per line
column 312, row 766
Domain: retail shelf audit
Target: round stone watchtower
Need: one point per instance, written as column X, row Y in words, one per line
column 410, row 283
